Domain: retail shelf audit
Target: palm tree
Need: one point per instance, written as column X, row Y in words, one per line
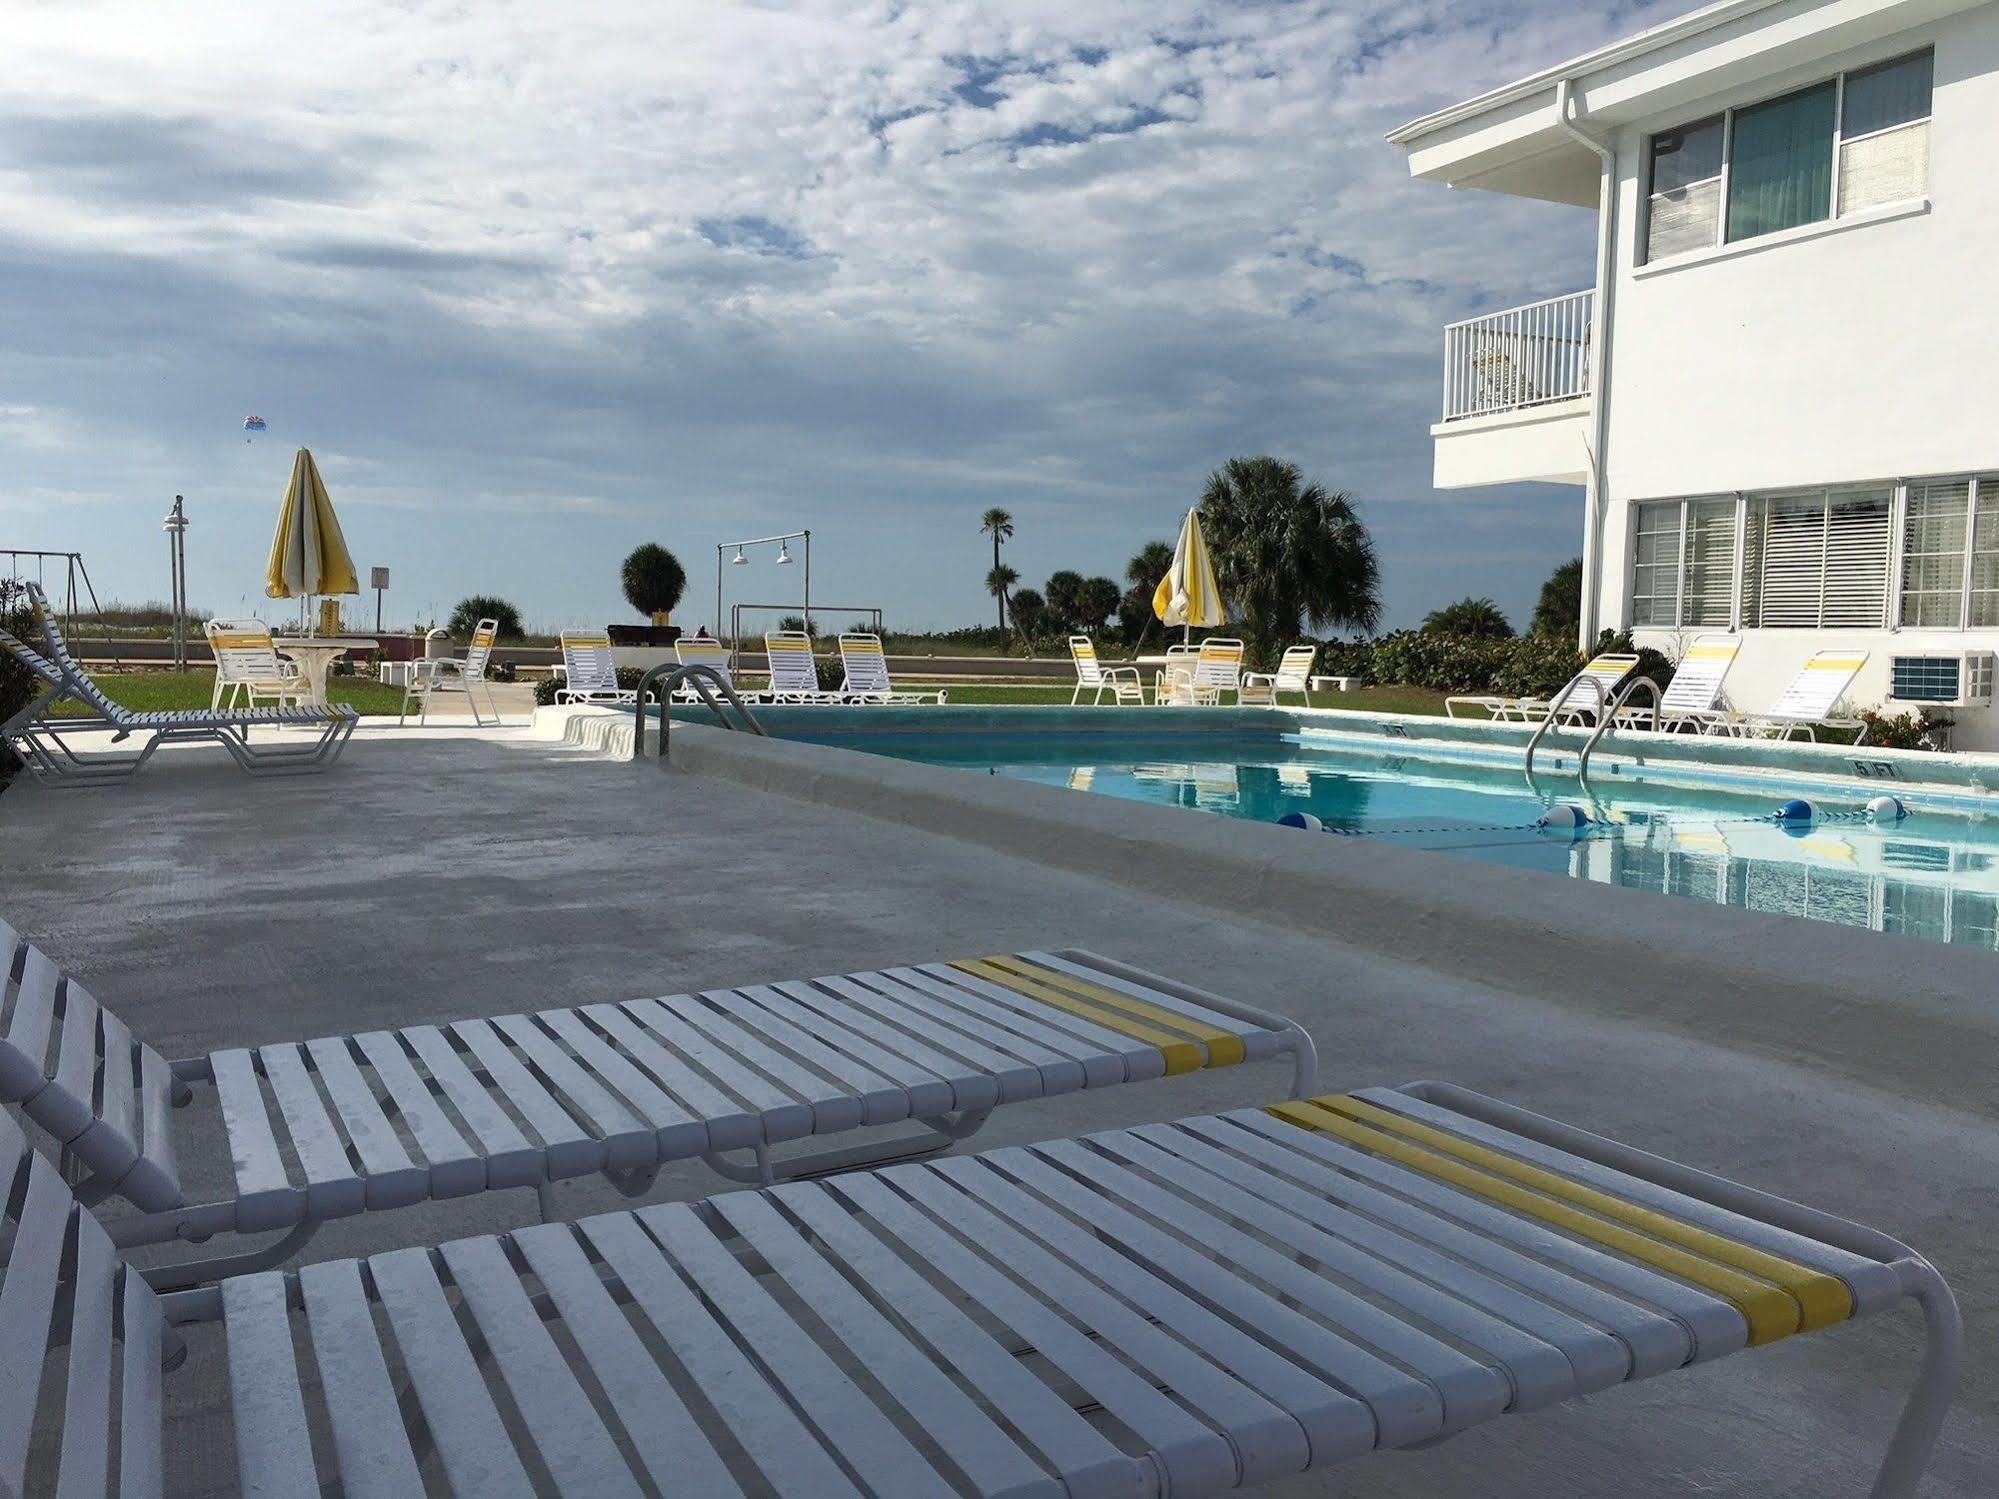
column 1559, row 610
column 998, row 582
column 1287, row 553
column 1143, row 573
column 997, row 524
column 1478, row 618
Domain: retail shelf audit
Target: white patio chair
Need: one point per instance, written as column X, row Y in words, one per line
column 794, row 670
column 589, row 675
column 247, row 666
column 448, row 674
column 1093, row 677
column 1293, row 674
column 1242, row 1297
column 866, row 674
column 1216, row 668
column 1692, row 700
column 433, row 1111
column 42, row 738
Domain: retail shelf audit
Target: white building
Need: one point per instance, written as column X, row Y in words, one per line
column 1782, row 394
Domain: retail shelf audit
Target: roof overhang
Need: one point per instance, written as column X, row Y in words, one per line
column 1509, row 141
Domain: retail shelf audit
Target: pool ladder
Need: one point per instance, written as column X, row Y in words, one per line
column 1607, row 712
column 706, row 682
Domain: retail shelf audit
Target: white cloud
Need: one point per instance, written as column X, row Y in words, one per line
column 716, row 265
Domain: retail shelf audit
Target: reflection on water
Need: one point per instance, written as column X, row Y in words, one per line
column 1931, row 876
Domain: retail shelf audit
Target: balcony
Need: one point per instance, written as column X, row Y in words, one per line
column 1517, row 395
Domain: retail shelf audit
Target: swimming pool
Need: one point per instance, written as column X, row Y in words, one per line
column 1933, row 874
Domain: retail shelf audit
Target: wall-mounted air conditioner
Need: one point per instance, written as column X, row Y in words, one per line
column 1954, row 679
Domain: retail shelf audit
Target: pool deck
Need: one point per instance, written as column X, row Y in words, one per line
column 450, row 872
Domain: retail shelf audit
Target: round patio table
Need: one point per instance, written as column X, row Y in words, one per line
column 315, row 655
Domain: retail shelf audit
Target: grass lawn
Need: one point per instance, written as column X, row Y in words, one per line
column 1364, row 699
column 165, row 691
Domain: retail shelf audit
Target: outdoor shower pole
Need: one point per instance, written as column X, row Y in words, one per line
column 176, row 528
column 808, row 581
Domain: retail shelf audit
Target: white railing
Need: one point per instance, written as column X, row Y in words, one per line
column 1525, row 356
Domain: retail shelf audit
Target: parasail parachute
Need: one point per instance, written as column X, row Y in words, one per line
column 252, row 425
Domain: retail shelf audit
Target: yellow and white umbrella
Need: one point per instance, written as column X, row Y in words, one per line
column 308, row 554
column 1188, row 595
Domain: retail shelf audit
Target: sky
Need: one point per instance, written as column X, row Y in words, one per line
column 537, row 283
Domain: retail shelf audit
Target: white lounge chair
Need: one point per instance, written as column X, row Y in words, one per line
column 1575, row 703
column 1293, row 674
column 447, row 674
column 1180, row 660
column 1693, row 699
column 433, row 1111
column 589, row 675
column 794, row 670
column 1187, row 1308
column 247, row 666
column 1808, row 704
column 1216, row 669
column 42, row 739
column 867, row 679
column 1093, row 677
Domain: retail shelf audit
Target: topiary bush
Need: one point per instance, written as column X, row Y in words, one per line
column 653, row 580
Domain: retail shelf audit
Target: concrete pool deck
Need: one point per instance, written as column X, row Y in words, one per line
column 451, row 873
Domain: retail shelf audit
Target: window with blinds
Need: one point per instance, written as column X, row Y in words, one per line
column 1655, row 565
column 1934, row 521
column 1817, row 561
column 1983, row 605
column 1709, row 595
column 1853, row 142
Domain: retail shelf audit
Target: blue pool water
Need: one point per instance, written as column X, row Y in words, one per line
column 1932, row 875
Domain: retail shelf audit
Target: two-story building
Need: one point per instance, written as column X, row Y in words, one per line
column 1781, row 395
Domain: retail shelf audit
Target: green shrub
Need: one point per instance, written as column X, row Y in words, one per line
column 18, row 685
column 1922, row 730
column 465, row 617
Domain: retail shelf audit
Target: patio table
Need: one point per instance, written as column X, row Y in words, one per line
column 315, row 656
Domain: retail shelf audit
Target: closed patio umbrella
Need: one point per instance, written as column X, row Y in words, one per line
column 1188, row 595
column 308, row 554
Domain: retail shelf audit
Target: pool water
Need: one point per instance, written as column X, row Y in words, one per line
column 1932, row 875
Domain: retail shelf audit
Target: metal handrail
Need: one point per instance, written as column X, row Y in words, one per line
column 1555, row 707
column 702, row 679
column 1611, row 712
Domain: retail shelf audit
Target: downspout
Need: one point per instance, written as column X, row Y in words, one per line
column 1594, row 500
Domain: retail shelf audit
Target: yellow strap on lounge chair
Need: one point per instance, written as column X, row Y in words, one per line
column 1835, row 663
column 587, row 642
column 1775, row 1296
column 1181, row 1054
column 1225, row 1049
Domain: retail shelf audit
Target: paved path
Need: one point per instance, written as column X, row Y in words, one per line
column 439, row 875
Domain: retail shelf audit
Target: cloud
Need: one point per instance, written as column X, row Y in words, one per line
column 687, row 273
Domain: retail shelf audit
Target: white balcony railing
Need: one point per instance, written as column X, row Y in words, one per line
column 1525, row 356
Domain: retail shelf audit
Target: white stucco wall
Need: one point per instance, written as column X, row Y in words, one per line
column 1860, row 350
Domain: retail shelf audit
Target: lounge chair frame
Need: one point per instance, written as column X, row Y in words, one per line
column 1805, row 705
column 1567, row 705
column 589, row 674
column 428, row 1112
column 794, row 670
column 1240, row 1297
column 43, row 741
column 867, row 680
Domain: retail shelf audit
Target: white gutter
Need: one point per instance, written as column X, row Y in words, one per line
column 1594, row 506
column 1679, row 29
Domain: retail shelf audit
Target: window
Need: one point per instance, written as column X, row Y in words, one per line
column 1884, row 132
column 1780, row 163
column 1849, row 143
column 1685, row 203
column 1821, row 559
column 1655, row 575
column 1933, row 549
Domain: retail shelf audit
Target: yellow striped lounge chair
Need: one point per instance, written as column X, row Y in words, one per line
column 1809, row 703
column 1216, row 669
column 1577, row 702
column 867, row 679
column 1093, row 677
column 589, row 674
column 794, row 670
column 1293, row 674
column 247, row 666
column 1210, row 1304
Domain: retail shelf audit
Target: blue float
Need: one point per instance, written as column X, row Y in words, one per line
column 1303, row 820
column 1563, row 818
column 1797, row 810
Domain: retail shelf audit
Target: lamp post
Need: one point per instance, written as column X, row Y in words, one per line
column 783, row 544
column 175, row 525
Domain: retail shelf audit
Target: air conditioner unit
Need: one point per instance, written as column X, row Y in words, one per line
column 1960, row 679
